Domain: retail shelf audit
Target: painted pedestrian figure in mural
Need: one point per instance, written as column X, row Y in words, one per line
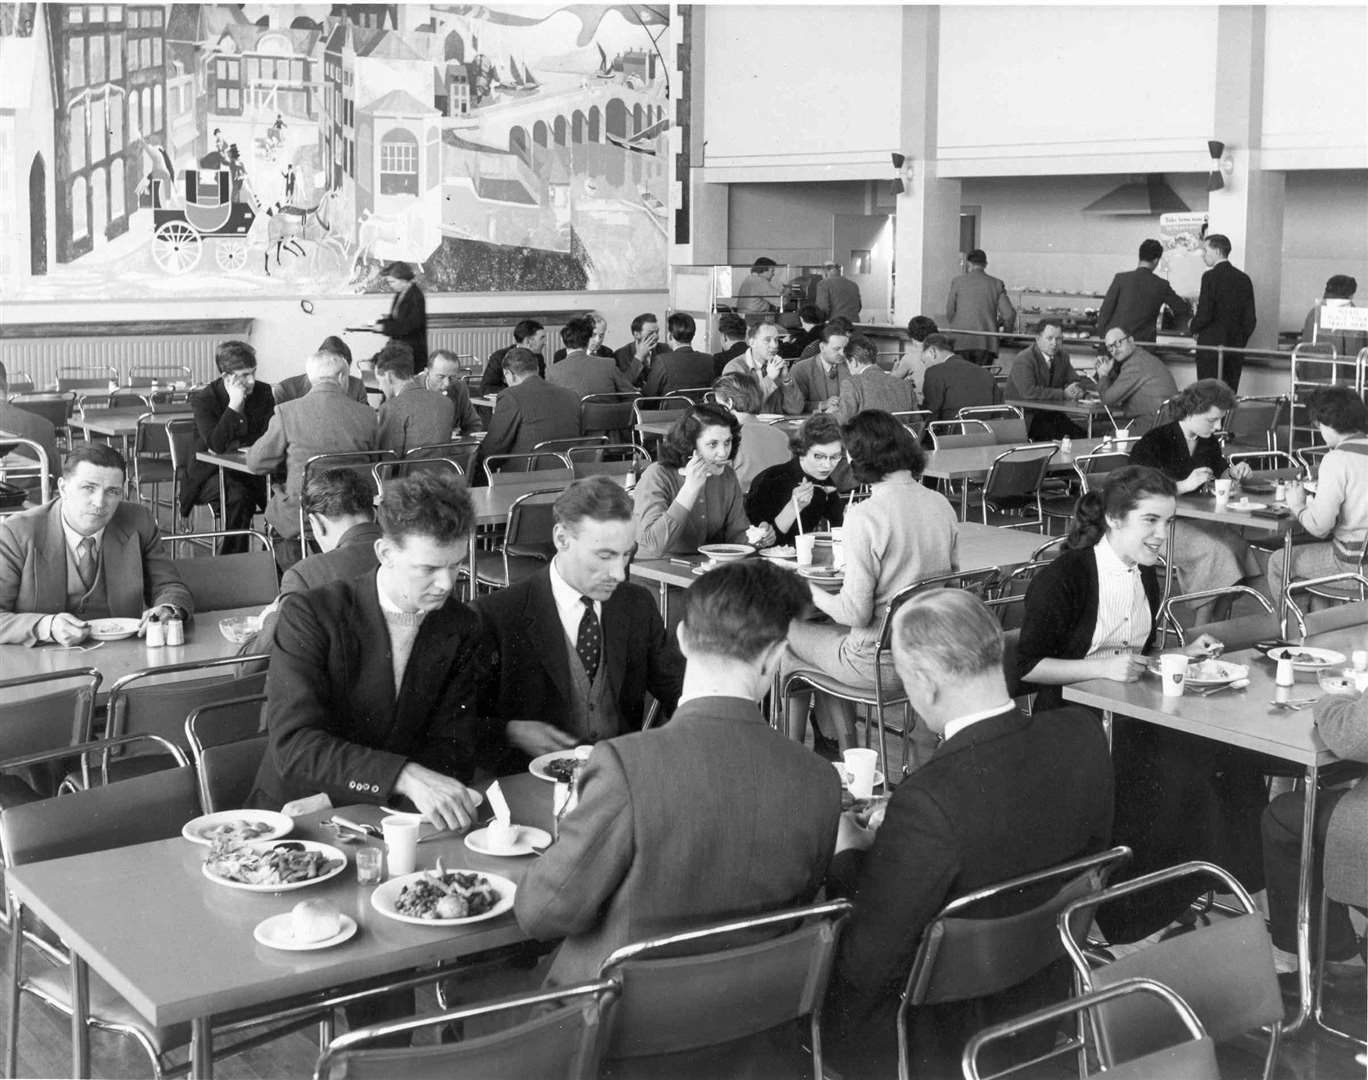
column 290, row 179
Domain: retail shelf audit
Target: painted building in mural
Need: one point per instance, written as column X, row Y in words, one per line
column 272, row 149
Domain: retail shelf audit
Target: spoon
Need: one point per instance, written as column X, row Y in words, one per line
column 1238, row 684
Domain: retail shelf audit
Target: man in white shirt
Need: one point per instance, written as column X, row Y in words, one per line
column 762, row 362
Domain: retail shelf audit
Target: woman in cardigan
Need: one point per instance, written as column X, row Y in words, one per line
column 1206, row 554
column 801, row 489
column 1089, row 615
column 691, row 496
column 901, row 534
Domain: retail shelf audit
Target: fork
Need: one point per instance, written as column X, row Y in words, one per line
column 1293, row 706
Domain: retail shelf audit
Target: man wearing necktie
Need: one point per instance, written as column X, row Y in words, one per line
column 86, row 555
column 820, row 376
column 578, row 647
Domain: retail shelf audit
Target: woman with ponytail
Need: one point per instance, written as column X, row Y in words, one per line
column 1090, row 614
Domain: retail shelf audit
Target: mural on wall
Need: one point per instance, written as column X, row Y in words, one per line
column 261, row 150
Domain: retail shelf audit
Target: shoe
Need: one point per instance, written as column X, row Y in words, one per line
column 826, row 748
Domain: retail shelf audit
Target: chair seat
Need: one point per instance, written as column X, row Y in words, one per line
column 862, row 695
column 15, row 791
column 489, row 568
column 155, row 471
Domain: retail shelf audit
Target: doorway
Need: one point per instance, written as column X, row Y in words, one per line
column 863, row 245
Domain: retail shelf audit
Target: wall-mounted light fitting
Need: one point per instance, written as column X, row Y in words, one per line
column 1222, row 165
column 903, row 164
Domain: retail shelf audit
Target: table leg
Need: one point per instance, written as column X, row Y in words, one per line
column 201, row 1048
column 664, row 597
column 223, row 499
column 1287, row 583
column 470, row 566
column 1306, row 986
column 80, row 1007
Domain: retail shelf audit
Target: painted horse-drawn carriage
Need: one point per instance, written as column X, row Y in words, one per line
column 208, row 213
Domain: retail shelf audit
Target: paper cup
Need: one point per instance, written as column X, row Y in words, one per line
column 803, row 545
column 1173, row 669
column 860, row 764
column 1223, row 490
column 401, row 845
column 838, row 555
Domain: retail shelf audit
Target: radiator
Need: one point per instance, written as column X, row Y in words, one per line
column 39, row 351
column 480, row 341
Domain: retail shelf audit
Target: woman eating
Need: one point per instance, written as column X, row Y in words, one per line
column 901, row 534
column 1090, row 614
column 690, row 496
column 1206, row 554
column 801, row 489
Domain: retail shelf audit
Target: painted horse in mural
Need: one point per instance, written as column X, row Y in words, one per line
column 287, row 225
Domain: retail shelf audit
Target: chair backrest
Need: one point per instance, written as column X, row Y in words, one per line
column 39, row 472
column 1254, row 420
column 1239, row 632
column 44, row 712
column 915, row 420
column 650, row 409
column 20, row 382
column 564, row 446
column 606, row 412
column 1271, row 464
column 227, row 741
column 180, row 440
column 1311, row 458
column 151, row 439
column 360, row 461
column 117, row 814
column 610, row 459
column 385, row 471
column 81, row 377
column 1048, row 550
column 157, row 700
column 1016, row 474
column 1318, row 622
column 530, row 522
column 461, row 451
column 674, row 997
column 979, row 582
column 546, row 468
column 950, row 434
column 1093, row 469
column 125, row 397
column 1193, row 1059
column 561, row 1040
column 1008, row 599
column 219, row 582
column 54, row 408
column 158, row 374
column 1224, row 971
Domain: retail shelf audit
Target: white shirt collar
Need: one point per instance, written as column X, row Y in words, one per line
column 568, row 603
column 955, row 726
column 1109, row 562
column 73, row 538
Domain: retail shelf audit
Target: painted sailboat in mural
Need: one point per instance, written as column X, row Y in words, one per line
column 605, row 70
column 522, row 81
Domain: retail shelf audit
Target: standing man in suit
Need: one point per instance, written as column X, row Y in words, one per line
column 1135, row 297
column 528, row 334
column 544, row 696
column 323, row 421
column 1225, row 311
column 952, row 383
column 230, row 413
column 636, row 358
column 869, row 386
column 838, row 296
column 85, row 555
column 407, row 318
column 683, row 367
column 978, row 301
column 581, row 372
column 529, row 412
column 411, row 415
column 1042, row 372
column 1133, row 382
column 821, row 376
column 443, row 375
column 1002, row 796
column 715, row 815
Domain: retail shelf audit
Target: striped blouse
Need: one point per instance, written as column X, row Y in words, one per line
column 1123, row 614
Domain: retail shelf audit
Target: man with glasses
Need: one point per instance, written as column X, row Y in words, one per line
column 1133, row 383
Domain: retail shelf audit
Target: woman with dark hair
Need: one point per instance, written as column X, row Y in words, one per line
column 690, row 496
column 801, row 489
column 902, row 533
column 1339, row 510
column 407, row 318
column 1090, row 615
column 1206, row 554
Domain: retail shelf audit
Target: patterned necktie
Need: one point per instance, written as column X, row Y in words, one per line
column 589, row 642
column 85, row 561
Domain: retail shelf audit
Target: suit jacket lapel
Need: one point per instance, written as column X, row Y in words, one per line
column 614, row 645
column 544, row 633
column 371, row 621
column 50, row 556
column 121, row 564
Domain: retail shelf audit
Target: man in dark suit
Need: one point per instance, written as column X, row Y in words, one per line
column 444, row 375
column 637, row 357
column 821, row 375
column 978, row 301
column 596, row 346
column 581, row 372
column 543, row 697
column 373, row 680
column 527, row 334
column 1042, row 372
column 407, row 318
column 85, row 555
column 837, row 296
column 411, row 414
column 231, row 413
column 1003, row 795
column 952, row 383
column 732, row 329
column 1225, row 311
column 683, row 367
column 529, row 412
column 715, row 815
column 1135, row 297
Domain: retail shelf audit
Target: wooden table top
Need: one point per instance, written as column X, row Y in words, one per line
column 178, row 946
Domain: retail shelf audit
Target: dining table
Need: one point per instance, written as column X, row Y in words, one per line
column 1086, row 409
column 227, row 461
column 1255, row 718
column 970, row 464
column 179, row 947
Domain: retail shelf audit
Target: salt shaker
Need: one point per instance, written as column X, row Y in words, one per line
column 1280, row 491
column 1285, row 675
column 1066, row 445
column 175, row 630
column 155, row 634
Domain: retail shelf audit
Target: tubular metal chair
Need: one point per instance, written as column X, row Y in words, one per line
column 1239, row 632
column 154, row 375
column 670, row 1003
column 180, row 439
column 526, row 546
column 56, row 409
column 1012, row 487
column 20, row 382
column 1253, row 423
column 1224, row 971
column 1352, row 613
column 564, row 446
column 1192, row 1059
column 359, row 460
column 962, row 958
column 1311, row 458
column 954, row 434
column 915, row 420
column 461, row 451
column 38, row 473
column 1049, row 549
column 564, row 1043
column 1006, row 421
column 607, row 414
column 86, row 377
column 656, row 410
column 610, row 459
column 152, row 464
column 1091, row 470
column 385, row 471
column 227, row 741
column 695, row 394
column 1268, row 466
column 546, row 468
column 220, row 582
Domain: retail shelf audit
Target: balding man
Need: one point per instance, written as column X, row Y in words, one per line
column 323, row 421
column 1133, row 382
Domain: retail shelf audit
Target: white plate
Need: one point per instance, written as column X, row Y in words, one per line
column 1244, row 506
column 113, row 629
column 280, row 825
column 1318, row 658
column 537, row 766
column 822, row 573
column 339, row 864
column 529, row 841
column 779, row 552
column 1206, row 672
column 769, row 417
column 823, row 539
column 844, row 774
column 386, row 895
column 720, row 553
column 277, row 932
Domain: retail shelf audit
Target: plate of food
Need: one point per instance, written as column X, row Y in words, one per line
column 827, row 574
column 237, row 827
column 1245, row 505
column 555, row 766
column 444, row 897
column 311, row 924
column 1202, row 672
column 281, row 866
column 720, row 553
column 114, row 629
column 780, row 552
column 1305, row 658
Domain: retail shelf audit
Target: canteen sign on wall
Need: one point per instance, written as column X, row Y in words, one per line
column 277, row 150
